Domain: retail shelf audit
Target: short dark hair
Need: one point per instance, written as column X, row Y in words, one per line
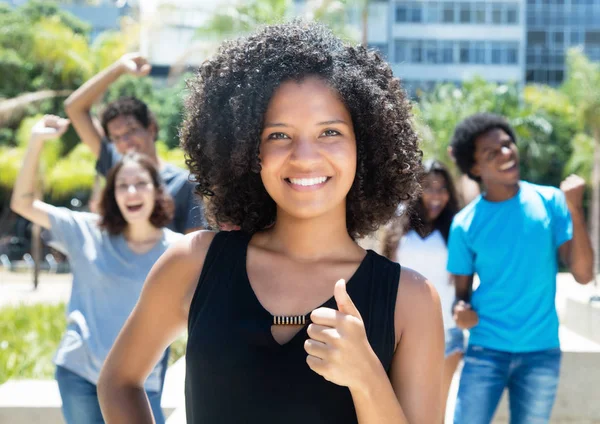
column 225, row 114
column 112, row 219
column 465, row 134
column 128, row 106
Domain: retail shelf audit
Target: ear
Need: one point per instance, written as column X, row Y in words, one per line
column 475, row 170
column 153, row 130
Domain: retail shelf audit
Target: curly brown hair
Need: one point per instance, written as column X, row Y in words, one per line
column 225, row 114
column 112, row 219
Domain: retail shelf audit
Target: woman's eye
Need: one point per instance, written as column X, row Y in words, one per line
column 277, row 136
column 330, row 133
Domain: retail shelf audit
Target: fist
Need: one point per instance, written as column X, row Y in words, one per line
column 135, row 64
column 573, row 187
column 49, row 127
column 464, row 316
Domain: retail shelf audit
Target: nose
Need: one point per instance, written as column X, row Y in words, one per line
column 506, row 151
column 305, row 151
column 131, row 188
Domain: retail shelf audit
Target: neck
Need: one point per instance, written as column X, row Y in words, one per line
column 139, row 232
column 311, row 239
column 500, row 192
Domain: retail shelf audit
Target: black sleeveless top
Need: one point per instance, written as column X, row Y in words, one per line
column 235, row 370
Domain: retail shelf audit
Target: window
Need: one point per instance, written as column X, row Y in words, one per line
column 381, row 48
column 416, row 55
column 464, row 52
column 479, row 13
column 558, row 38
column 465, row 13
column 447, row 50
column 415, row 13
column 576, row 37
column 592, row 37
column 400, row 51
column 537, row 37
column 431, row 52
column 512, row 54
column 401, row 13
column 478, row 52
column 497, row 53
column 432, row 12
column 512, row 14
column 496, row 13
column 448, row 13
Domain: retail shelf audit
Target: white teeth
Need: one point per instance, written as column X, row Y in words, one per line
column 308, row 181
column 507, row 165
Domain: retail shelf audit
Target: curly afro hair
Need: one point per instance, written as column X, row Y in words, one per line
column 225, row 113
column 128, row 106
column 468, row 131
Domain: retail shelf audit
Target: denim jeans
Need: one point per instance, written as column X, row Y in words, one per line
column 531, row 379
column 80, row 399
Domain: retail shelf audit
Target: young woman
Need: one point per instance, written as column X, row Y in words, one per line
column 305, row 143
column 420, row 242
column 110, row 256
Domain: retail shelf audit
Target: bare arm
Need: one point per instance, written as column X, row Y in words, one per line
column 158, row 318
column 414, row 395
column 79, row 104
column 23, row 199
column 577, row 253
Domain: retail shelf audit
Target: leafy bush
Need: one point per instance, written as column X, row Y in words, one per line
column 29, row 337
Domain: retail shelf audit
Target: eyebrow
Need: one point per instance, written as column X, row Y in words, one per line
column 281, row 124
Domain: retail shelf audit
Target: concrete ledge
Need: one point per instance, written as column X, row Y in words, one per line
column 38, row 401
column 583, row 318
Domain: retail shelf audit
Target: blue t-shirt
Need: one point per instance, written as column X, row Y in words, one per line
column 513, row 248
column 107, row 281
column 188, row 209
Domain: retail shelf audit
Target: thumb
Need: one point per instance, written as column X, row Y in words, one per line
column 344, row 303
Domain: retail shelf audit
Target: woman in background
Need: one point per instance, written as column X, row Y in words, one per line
column 419, row 242
column 110, row 255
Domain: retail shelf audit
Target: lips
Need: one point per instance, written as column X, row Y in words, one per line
column 508, row 166
column 134, row 208
column 307, row 182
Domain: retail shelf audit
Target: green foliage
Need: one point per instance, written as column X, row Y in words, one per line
column 29, row 336
column 544, row 120
column 71, row 174
column 11, row 159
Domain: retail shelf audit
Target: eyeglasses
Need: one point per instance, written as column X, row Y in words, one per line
column 139, row 186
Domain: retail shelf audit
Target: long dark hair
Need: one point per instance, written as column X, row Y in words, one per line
column 415, row 214
column 418, row 214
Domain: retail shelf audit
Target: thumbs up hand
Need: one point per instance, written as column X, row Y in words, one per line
column 337, row 347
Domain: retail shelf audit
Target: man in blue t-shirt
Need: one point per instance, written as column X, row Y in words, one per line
column 511, row 236
column 128, row 124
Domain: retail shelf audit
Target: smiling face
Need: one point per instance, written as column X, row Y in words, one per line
column 307, row 149
column 128, row 134
column 435, row 195
column 135, row 192
column 496, row 159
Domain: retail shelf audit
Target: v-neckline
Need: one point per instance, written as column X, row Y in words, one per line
column 267, row 317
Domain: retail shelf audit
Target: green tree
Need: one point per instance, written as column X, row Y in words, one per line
column 582, row 87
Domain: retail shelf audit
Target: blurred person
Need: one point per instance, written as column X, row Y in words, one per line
column 298, row 139
column 110, row 255
column 418, row 240
column 128, row 124
column 511, row 236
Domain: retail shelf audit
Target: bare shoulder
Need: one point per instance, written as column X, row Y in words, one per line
column 177, row 271
column 417, row 302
